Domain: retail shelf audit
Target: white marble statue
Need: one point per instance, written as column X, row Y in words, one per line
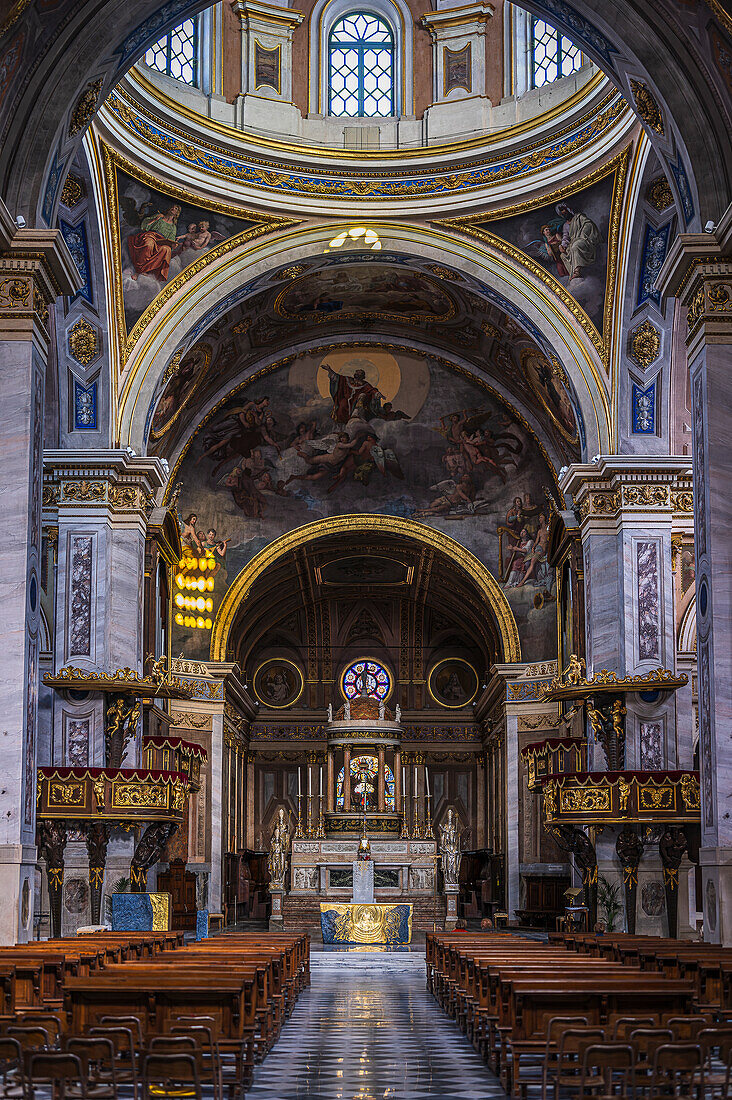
column 398, row 713
column 382, row 708
column 450, row 848
column 347, row 710
column 330, row 712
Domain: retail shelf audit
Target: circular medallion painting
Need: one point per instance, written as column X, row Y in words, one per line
column 278, row 683
column 453, row 682
column 369, row 673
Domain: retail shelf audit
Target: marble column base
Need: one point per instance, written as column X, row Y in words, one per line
column 276, row 920
column 451, row 896
column 716, row 865
column 17, row 867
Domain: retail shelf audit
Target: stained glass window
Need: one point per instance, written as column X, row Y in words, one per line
column 371, row 673
column 364, row 784
column 552, row 54
column 361, row 67
column 176, row 53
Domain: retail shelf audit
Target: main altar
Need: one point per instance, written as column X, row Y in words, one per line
column 364, row 795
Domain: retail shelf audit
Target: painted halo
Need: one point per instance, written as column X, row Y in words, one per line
column 179, row 388
column 379, row 681
column 278, row 683
column 453, row 683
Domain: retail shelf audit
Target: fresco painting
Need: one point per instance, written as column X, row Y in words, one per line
column 160, row 235
column 368, row 431
column 570, row 239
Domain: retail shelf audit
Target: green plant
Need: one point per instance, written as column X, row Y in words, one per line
column 608, row 898
column 121, row 886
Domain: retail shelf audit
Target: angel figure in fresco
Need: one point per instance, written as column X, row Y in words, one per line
column 535, row 563
column 522, row 546
column 240, row 432
column 189, row 536
column 199, row 236
column 245, row 492
column 323, row 464
column 151, row 246
column 452, row 495
column 353, row 396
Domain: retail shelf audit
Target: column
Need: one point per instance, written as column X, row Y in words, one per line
column 627, row 507
column 35, row 268
column 99, row 501
column 266, row 66
column 480, row 800
column 398, row 781
column 380, row 788
column 347, row 779
column 251, row 757
column 698, row 270
column 330, row 802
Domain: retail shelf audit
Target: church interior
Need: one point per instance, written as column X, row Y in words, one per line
column 365, row 420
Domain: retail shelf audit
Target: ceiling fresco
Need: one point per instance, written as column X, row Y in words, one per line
column 397, row 302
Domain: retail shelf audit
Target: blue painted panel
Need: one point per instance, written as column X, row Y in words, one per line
column 644, row 410
column 75, row 237
column 85, row 406
column 655, row 247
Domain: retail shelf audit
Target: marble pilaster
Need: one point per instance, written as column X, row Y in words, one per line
column 35, row 268
column 698, row 271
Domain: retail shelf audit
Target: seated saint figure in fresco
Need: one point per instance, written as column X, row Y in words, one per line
column 580, row 240
column 151, row 247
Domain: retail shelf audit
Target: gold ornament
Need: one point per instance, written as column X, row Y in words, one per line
column 645, row 344
column 83, row 342
column 72, row 192
column 647, row 107
column 659, row 194
column 85, row 107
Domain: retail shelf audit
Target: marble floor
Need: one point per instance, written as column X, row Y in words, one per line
column 367, row 1029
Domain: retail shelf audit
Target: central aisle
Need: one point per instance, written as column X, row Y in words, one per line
column 367, row 1029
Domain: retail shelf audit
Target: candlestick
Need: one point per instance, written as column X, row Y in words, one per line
column 416, row 832
column 404, row 834
column 427, row 833
column 320, row 831
column 427, row 781
column 298, row 782
column 415, row 780
column 299, row 834
column 309, row 830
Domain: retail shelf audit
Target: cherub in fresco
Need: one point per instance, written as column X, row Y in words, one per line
column 388, row 412
column 304, row 430
column 198, row 237
column 325, row 464
column 454, row 462
column 371, row 455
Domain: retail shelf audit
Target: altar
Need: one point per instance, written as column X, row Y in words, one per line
column 362, row 924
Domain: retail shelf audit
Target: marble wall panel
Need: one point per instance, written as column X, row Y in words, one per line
column 649, row 626
column 651, row 746
column 80, row 609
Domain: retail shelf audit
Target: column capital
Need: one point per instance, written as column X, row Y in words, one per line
column 115, row 480
column 36, row 267
column 629, row 487
column 698, row 271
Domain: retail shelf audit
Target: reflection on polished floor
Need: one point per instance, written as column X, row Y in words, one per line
column 368, row 1030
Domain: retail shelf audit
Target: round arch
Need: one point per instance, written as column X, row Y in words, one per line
column 368, row 525
column 666, row 67
column 208, row 293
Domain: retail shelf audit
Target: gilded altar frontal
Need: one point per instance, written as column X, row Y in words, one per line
column 365, row 426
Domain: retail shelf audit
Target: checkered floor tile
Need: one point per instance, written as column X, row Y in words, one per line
column 367, row 1029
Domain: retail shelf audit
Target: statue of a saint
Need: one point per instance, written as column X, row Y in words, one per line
column 347, row 710
column 330, row 712
column 382, row 708
column 277, row 861
column 398, row 713
column 450, row 848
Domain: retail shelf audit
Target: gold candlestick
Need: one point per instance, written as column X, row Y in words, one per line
column 427, row 833
column 404, row 834
column 320, row 831
column 309, row 830
column 416, row 831
column 299, row 834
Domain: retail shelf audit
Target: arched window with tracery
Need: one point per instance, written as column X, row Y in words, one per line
column 553, row 55
column 176, row 54
column 361, row 67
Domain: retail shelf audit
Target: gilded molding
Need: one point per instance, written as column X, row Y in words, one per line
column 648, row 109
column 83, row 342
column 659, row 194
column 85, row 108
column 367, row 524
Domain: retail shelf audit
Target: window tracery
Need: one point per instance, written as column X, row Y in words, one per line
column 553, row 55
column 176, row 54
column 364, row 781
column 361, row 67
column 371, row 674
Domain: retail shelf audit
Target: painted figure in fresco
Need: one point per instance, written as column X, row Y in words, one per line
column 580, row 240
column 452, row 494
column 277, row 689
column 352, row 396
column 517, row 560
column 329, row 463
column 304, row 431
column 245, row 492
column 189, row 535
column 215, row 548
column 151, row 247
column 240, row 432
column 552, row 247
column 453, row 689
column 535, row 563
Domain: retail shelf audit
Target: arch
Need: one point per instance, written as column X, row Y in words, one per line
column 396, row 13
column 87, row 45
column 687, row 626
column 372, row 524
column 509, row 285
